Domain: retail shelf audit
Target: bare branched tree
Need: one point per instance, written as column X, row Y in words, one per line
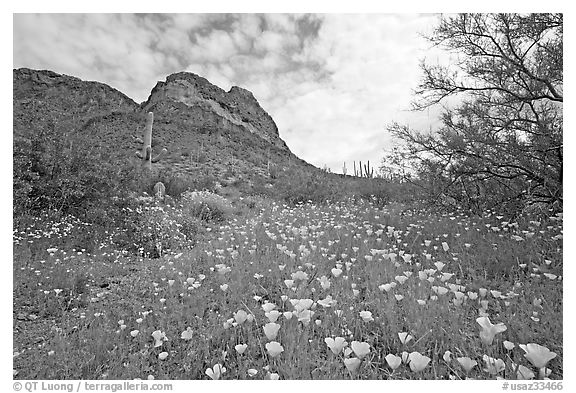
column 503, row 142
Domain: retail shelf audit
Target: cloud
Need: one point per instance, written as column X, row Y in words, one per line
column 214, row 47
column 331, row 82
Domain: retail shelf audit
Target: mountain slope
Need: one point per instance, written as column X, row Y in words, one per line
column 205, row 129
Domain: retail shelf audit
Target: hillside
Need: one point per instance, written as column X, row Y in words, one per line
column 205, row 129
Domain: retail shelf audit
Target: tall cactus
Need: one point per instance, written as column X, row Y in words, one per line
column 368, row 172
column 146, row 154
column 344, row 169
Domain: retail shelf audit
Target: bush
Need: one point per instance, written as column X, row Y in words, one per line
column 177, row 184
column 206, row 206
column 298, row 186
column 152, row 228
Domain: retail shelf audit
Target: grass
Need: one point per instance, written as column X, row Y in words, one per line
column 76, row 313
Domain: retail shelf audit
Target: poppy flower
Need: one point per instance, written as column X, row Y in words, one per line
column 187, row 334
column 328, row 302
column 366, row 316
column 493, row 365
column 538, row 355
column 418, row 362
column 447, row 356
column 336, row 272
column 352, row 364
column 439, row 265
column 240, row 316
column 272, row 376
column 300, row 275
column 267, row 307
column 405, row 337
column 336, row 344
column 324, row 282
column 472, row 295
column 440, row 290
column 488, row 330
column 252, row 372
column 446, row 276
column 134, row 333
column 467, row 363
column 301, row 304
column 271, row 330
column 272, row 315
column 216, row 372
column 508, row 345
column 162, row 355
column 404, row 355
column 361, row 349
column 393, row 361
column 496, row 294
column 159, row 337
column 304, row 316
column 274, row 348
column 401, row 279
column 240, row 348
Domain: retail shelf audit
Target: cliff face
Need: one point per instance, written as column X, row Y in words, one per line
column 236, row 110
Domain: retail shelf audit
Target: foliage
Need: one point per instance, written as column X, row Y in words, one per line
column 503, row 142
column 177, row 184
column 56, row 172
column 151, row 228
column 297, row 186
column 206, row 205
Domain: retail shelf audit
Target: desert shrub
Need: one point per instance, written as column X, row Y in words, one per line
column 153, row 228
column 273, row 171
column 298, row 186
column 206, row 206
column 60, row 172
column 373, row 190
column 177, row 184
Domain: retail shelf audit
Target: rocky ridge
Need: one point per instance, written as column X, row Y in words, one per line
column 203, row 127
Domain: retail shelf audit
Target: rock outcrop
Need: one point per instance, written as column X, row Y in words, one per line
column 236, row 110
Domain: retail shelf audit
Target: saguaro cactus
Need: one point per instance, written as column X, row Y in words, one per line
column 146, row 154
column 344, row 169
column 368, row 172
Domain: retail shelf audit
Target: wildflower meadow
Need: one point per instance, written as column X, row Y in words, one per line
column 308, row 291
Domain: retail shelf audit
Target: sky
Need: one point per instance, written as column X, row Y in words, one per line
column 331, row 82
